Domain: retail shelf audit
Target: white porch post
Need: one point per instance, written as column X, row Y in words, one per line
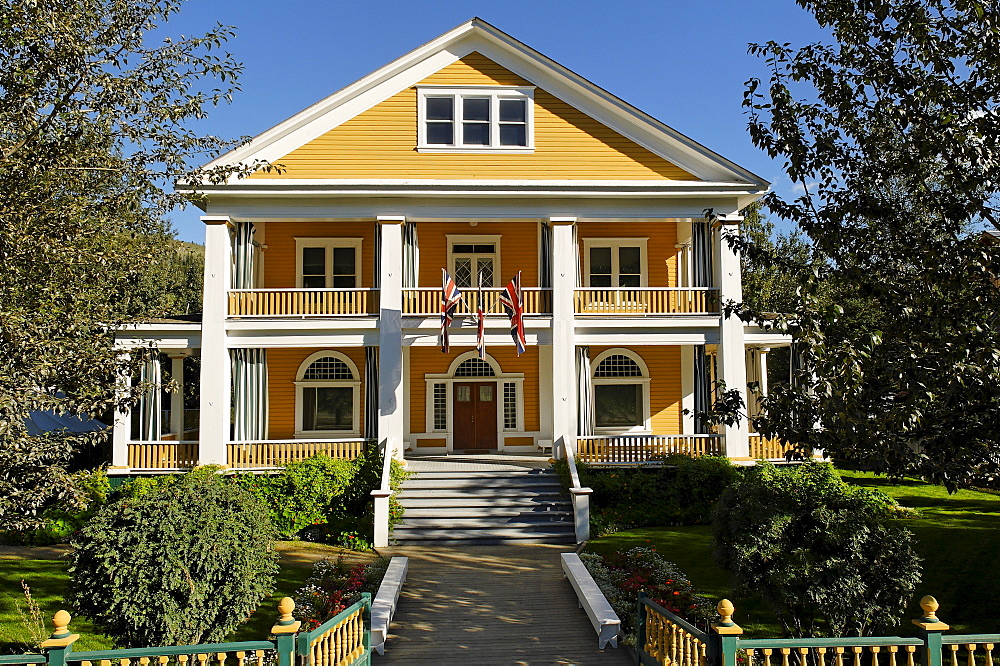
column 390, row 347
column 687, row 389
column 177, row 397
column 564, row 263
column 732, row 353
column 121, row 433
column 213, row 431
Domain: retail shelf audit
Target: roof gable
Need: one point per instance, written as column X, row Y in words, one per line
column 656, row 151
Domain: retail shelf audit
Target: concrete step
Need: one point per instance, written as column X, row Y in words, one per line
column 527, row 483
column 551, row 510
column 489, row 541
column 511, row 473
column 480, row 533
column 522, row 503
column 499, row 493
column 468, row 522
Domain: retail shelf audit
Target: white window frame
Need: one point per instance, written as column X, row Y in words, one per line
column 449, row 379
column 495, row 93
column 615, row 244
column 645, row 427
column 301, row 383
column 328, row 244
column 476, row 239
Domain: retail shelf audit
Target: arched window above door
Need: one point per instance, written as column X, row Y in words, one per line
column 474, row 367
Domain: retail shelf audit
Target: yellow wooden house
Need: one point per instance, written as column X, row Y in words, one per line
column 477, row 155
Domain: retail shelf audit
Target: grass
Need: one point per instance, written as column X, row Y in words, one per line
column 48, row 578
column 957, row 536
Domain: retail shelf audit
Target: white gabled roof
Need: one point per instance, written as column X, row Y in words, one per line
column 479, row 36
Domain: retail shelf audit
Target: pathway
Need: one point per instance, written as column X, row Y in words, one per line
column 491, row 605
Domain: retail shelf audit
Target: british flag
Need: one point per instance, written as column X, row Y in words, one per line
column 481, row 332
column 510, row 299
column 450, row 296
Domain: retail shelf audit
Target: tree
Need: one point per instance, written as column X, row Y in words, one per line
column 93, row 125
column 821, row 554
column 891, row 136
column 177, row 562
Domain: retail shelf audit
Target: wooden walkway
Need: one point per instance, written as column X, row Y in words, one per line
column 491, row 605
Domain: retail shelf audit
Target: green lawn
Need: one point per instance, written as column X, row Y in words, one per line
column 47, row 579
column 958, row 537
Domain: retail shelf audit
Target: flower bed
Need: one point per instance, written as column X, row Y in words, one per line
column 334, row 585
column 623, row 574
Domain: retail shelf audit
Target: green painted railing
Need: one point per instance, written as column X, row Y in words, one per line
column 345, row 640
column 664, row 638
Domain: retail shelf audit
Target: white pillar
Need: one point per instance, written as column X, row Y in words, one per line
column 214, row 429
column 687, row 389
column 177, row 397
column 732, row 353
column 545, row 401
column 564, row 263
column 390, row 346
column 121, row 433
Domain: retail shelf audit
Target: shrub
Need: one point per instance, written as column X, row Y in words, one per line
column 823, row 555
column 623, row 574
column 333, row 586
column 174, row 562
column 59, row 520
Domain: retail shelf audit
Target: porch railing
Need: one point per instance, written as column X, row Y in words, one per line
column 274, row 452
column 426, row 301
column 343, row 640
column 303, row 302
column 765, row 448
column 163, row 454
column 635, row 449
column 665, row 638
column 644, row 301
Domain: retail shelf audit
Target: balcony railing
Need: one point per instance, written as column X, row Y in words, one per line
column 275, row 452
column 636, row 449
column 644, row 301
column 426, row 301
column 162, row 455
column 764, row 448
column 303, row 302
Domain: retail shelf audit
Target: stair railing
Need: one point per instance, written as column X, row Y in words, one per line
column 580, row 495
column 382, row 495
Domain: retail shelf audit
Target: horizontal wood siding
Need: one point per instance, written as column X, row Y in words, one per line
column 424, row 360
column 664, row 364
column 518, row 249
column 660, row 246
column 282, row 366
column 381, row 142
column 280, row 259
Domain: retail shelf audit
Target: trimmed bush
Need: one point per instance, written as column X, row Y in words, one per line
column 823, row 555
column 175, row 561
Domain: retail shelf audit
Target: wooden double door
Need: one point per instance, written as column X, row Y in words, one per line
column 474, row 415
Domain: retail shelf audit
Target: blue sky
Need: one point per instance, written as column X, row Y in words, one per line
column 683, row 62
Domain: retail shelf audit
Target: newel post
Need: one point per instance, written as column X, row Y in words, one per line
column 284, row 631
column 724, row 637
column 640, row 634
column 366, row 598
column 60, row 643
column 930, row 631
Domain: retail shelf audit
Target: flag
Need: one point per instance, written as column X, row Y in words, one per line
column 450, row 296
column 481, row 332
column 510, row 299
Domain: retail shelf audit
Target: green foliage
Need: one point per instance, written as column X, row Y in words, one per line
column 822, row 555
column 890, row 136
column 179, row 563
column 94, row 121
column 61, row 520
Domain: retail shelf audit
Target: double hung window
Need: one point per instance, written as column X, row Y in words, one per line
column 621, row 393
column 328, row 263
column 328, row 395
column 475, row 119
column 615, row 263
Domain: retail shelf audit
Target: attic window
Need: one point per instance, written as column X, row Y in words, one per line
column 467, row 119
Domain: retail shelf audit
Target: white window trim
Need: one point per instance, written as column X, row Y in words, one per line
column 614, row 244
column 328, row 244
column 300, row 384
column 646, row 428
column 476, row 239
column 495, row 93
column 449, row 379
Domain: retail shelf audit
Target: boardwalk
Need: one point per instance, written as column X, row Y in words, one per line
column 491, row 605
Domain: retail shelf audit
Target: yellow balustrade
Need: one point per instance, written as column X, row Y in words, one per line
column 271, row 453
column 764, row 448
column 162, row 455
column 644, row 301
column 670, row 644
column 426, row 301
column 341, row 644
column 852, row 655
column 302, row 302
column 624, row 449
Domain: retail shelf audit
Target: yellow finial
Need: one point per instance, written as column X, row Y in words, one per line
column 726, row 610
column 930, row 605
column 285, row 608
column 61, row 623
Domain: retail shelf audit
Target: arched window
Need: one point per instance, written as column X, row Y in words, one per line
column 621, row 392
column 474, row 367
column 327, row 396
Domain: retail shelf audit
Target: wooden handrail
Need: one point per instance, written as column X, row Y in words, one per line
column 263, row 454
column 303, row 302
column 638, row 449
column 426, row 301
column 640, row 301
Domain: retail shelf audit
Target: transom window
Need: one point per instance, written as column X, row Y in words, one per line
column 328, row 263
column 328, row 367
column 615, row 263
column 474, row 367
column 618, row 365
column 621, row 393
column 497, row 118
column 327, row 395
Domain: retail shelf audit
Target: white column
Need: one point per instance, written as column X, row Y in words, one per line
column 732, row 353
column 545, row 401
column 390, row 346
column 687, row 389
column 121, row 433
column 216, row 388
column 177, row 397
column 564, row 263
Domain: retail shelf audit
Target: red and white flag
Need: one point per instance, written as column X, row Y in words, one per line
column 450, row 296
column 480, row 332
column 510, row 299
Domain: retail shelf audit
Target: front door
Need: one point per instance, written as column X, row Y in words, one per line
column 475, row 415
